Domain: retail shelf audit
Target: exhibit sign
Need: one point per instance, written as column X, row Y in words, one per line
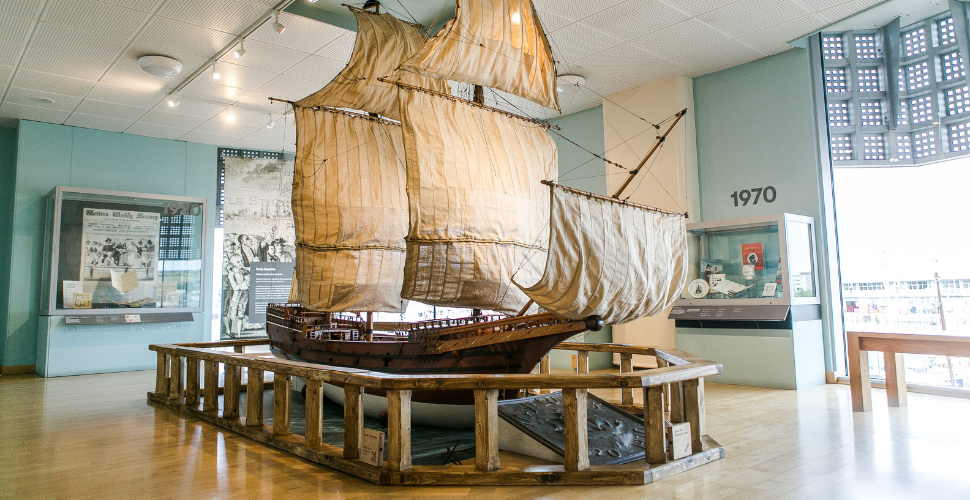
column 269, row 282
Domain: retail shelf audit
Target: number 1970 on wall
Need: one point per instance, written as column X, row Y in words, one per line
column 766, row 193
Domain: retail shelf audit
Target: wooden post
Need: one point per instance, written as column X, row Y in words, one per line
column 230, row 391
column 582, row 362
column 576, row 433
column 626, row 366
column 353, row 420
column 677, row 402
column 399, row 430
column 895, row 378
column 654, row 429
column 486, row 430
column 175, row 377
column 241, row 349
column 694, row 411
column 254, row 397
column 314, row 413
column 859, row 384
column 369, row 330
column 192, row 381
column 210, row 391
column 281, row 404
column 161, row 375
column 544, row 369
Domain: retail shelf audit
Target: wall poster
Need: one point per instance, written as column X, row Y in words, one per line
column 259, row 238
column 120, row 248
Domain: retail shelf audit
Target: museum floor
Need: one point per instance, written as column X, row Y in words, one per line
column 95, row 436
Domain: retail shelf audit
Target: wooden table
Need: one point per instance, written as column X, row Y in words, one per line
column 893, row 345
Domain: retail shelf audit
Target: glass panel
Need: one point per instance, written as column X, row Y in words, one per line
column 800, row 262
column 736, row 262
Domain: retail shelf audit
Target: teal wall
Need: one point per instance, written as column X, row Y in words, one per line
column 8, row 170
column 581, row 170
column 55, row 155
column 756, row 127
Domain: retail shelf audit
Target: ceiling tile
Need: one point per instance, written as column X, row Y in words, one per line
column 266, row 57
column 23, row 96
column 316, row 69
column 339, row 49
column 159, row 131
column 577, row 41
column 190, row 63
column 50, row 83
column 173, row 119
column 98, row 122
column 10, row 110
column 681, row 38
column 63, row 64
column 249, row 143
column 289, row 88
column 657, row 72
column 80, row 43
column 208, row 138
column 847, row 9
column 123, row 95
column 775, row 39
column 192, row 108
column 135, row 78
column 615, row 60
column 551, row 21
column 163, row 33
column 718, row 57
column 10, row 54
column 98, row 17
column 596, row 89
column 109, row 109
column 229, row 16
column 142, row 5
column 747, row 16
column 635, row 18
column 301, row 33
column 6, row 73
column 571, row 9
column 698, row 7
column 202, row 88
column 261, row 102
column 23, row 8
column 275, row 135
column 242, row 77
column 15, row 30
column 246, row 121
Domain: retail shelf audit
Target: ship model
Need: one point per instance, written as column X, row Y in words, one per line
column 405, row 192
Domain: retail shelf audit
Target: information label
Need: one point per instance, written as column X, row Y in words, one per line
column 269, row 282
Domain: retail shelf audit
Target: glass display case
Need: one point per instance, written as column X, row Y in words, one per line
column 109, row 252
column 752, row 268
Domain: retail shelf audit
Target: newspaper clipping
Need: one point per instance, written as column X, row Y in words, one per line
column 119, row 259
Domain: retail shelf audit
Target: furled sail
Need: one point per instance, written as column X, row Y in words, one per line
column 477, row 204
column 351, row 212
column 617, row 260
column 383, row 43
column 494, row 43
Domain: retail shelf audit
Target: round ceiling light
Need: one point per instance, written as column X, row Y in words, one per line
column 160, row 65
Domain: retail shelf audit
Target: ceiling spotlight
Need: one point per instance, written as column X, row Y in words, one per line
column 567, row 84
column 276, row 25
column 215, row 74
column 230, row 117
column 240, row 51
column 160, row 65
column 173, row 100
column 270, row 123
column 311, row 1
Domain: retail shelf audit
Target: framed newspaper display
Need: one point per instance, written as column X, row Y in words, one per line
column 112, row 251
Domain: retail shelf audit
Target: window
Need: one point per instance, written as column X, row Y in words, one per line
column 918, row 75
column 835, row 80
column 870, row 113
column 841, row 147
column 957, row 101
column 903, row 117
column 175, row 238
column 868, row 80
column 914, row 42
column 958, row 137
column 947, row 36
column 924, row 143
column 832, row 48
column 838, row 114
column 873, row 147
column 921, row 109
column 904, row 147
column 952, row 65
column 865, row 47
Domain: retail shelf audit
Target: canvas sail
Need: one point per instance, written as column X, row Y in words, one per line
column 351, row 212
column 477, row 205
column 616, row 260
column 494, row 43
column 383, row 43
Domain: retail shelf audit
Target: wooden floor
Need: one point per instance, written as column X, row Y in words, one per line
column 96, row 436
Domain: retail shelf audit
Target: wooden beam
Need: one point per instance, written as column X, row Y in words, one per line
column 654, row 429
column 694, row 411
column 677, row 402
column 486, row 430
column 895, row 378
column 582, row 362
column 230, row 392
column 254, row 397
column 626, row 366
column 353, row 420
column 161, row 375
column 175, row 377
column 191, row 381
column 314, row 414
column 399, row 430
column 576, row 433
column 210, row 391
column 239, row 349
column 859, row 384
column 281, row 405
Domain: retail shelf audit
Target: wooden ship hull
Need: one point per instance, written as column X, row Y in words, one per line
column 477, row 344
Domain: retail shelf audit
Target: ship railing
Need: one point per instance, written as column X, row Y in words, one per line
column 188, row 381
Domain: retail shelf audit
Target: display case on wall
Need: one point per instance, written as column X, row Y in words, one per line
column 757, row 268
column 119, row 253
